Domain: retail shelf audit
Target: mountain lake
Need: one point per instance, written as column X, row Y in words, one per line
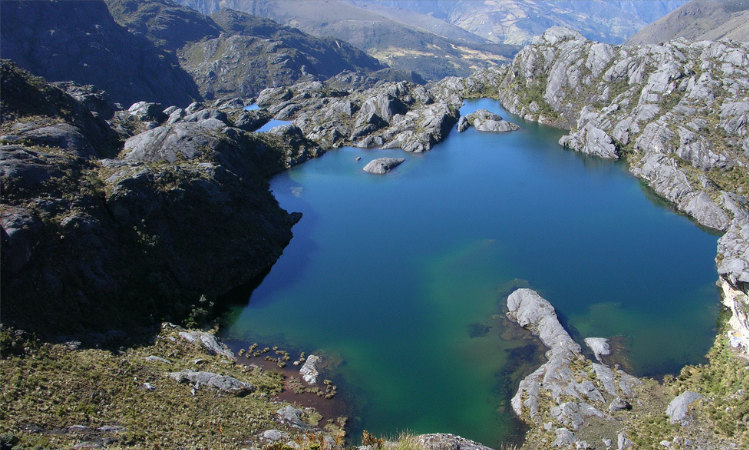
column 400, row 281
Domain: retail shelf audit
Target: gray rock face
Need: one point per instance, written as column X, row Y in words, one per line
column 388, row 115
column 646, row 102
column 274, row 435
column 555, row 379
column 209, row 342
column 623, row 442
column 591, row 140
column 483, row 120
column 292, row 416
column 309, row 370
column 463, row 124
column 734, row 248
column 381, row 166
column 443, row 441
column 147, row 111
column 170, row 143
column 677, row 409
column 221, row 382
column 707, row 212
column 619, row 404
column 564, row 438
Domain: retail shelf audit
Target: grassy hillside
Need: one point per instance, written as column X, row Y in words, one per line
column 699, row 20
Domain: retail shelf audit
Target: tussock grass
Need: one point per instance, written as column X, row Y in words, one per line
column 48, row 388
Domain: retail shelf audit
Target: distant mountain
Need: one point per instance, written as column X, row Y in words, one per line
column 79, row 41
column 236, row 54
column 699, row 20
column 402, row 43
column 518, row 22
column 439, row 37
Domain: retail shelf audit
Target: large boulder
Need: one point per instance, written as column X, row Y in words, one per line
column 677, row 409
column 483, row 120
column 381, row 166
column 223, row 383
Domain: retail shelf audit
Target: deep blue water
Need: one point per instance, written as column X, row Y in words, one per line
column 393, row 274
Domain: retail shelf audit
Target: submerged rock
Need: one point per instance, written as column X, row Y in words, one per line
column 382, row 166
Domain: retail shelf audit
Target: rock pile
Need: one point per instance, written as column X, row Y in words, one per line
column 568, row 389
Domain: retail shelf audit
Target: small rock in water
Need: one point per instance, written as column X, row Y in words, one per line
column 599, row 346
column 382, row 166
column 358, row 158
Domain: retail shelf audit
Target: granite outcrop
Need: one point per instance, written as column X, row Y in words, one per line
column 569, row 389
column 677, row 112
column 144, row 214
column 388, row 115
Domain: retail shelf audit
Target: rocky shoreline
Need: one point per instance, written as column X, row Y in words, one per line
column 676, row 112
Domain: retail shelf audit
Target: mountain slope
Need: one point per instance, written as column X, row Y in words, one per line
column 166, row 24
column 79, row 41
column 400, row 45
column 518, row 22
column 699, row 20
column 237, row 54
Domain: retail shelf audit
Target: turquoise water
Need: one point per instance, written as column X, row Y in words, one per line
column 403, row 277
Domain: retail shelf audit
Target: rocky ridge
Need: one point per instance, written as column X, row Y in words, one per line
column 677, row 112
column 232, row 53
column 389, row 115
column 82, row 195
column 569, row 389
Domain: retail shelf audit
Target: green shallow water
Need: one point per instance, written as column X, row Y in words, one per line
column 403, row 277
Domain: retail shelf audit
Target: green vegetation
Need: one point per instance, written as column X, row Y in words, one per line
column 722, row 418
column 49, row 388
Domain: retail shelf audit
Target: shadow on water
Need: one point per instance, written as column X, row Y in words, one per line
column 521, row 362
column 239, row 296
column 286, row 270
column 655, row 199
